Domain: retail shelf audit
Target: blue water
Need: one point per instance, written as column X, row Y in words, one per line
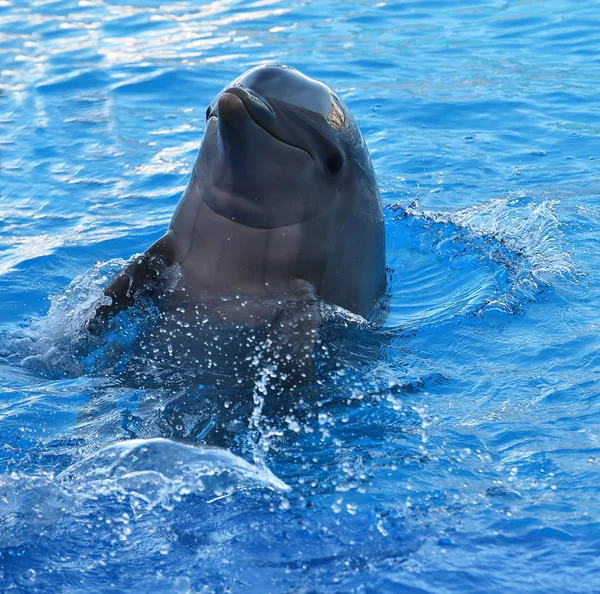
column 455, row 450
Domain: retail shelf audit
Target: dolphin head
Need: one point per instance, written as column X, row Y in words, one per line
column 282, row 189
column 278, row 148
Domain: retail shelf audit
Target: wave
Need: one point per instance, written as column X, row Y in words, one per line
column 157, row 469
column 493, row 257
column 143, row 474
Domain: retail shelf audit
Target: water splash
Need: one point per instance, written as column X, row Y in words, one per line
column 50, row 344
column 159, row 471
column 521, row 244
column 142, row 477
column 60, row 344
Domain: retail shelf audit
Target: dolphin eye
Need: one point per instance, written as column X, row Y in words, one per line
column 334, row 164
column 208, row 110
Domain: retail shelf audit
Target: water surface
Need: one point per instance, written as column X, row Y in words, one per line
column 457, row 451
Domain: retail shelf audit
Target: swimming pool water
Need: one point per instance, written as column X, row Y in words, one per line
column 458, row 447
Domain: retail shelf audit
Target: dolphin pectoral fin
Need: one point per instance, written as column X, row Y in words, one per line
column 140, row 274
column 294, row 334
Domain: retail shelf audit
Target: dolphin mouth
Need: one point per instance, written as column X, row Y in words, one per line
column 260, row 112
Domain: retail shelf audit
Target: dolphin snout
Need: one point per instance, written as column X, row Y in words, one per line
column 235, row 102
column 230, row 108
column 249, row 97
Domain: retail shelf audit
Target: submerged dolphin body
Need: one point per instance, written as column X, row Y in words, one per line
column 282, row 206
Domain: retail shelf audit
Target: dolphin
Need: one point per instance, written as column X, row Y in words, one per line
column 282, row 206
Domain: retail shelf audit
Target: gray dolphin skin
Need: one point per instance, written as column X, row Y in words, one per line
column 282, row 204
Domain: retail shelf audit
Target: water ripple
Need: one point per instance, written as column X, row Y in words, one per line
column 517, row 252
